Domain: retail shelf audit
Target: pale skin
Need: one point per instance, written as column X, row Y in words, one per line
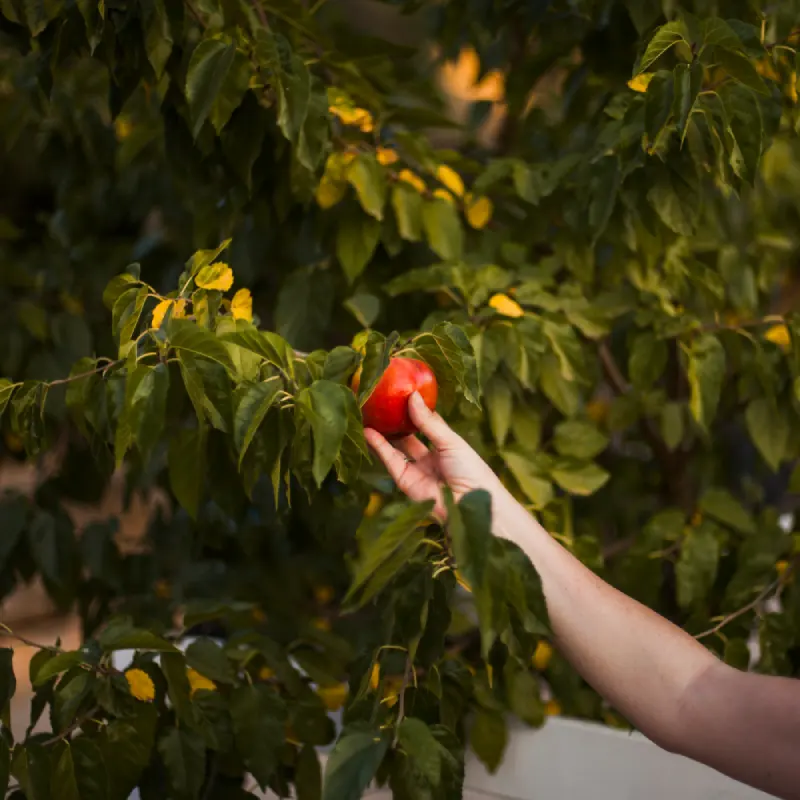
column 666, row 683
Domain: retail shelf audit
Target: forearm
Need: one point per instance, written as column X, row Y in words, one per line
column 641, row 663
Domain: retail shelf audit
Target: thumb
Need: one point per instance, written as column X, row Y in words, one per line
column 430, row 423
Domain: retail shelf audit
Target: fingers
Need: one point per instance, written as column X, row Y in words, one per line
column 430, row 423
column 394, row 461
column 412, row 447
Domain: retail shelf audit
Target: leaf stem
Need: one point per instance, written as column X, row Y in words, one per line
column 401, row 709
column 74, row 726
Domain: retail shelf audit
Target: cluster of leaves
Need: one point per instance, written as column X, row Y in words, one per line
column 595, row 297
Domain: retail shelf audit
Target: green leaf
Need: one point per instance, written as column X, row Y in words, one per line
column 324, row 405
column 407, row 205
column 13, row 518
column 443, row 229
column 579, row 439
column 158, row 37
column 186, row 336
column 423, row 750
column 499, row 403
column 61, row 662
column 356, row 239
column 208, row 69
column 688, row 82
column 769, row 429
column 364, row 307
column 251, row 411
column 52, row 543
column 377, row 354
column 664, row 38
column 369, row 180
column 448, row 351
column 524, row 698
column 353, row 763
column 8, row 681
column 470, row 528
column 531, row 479
column 147, row 406
column 488, row 738
column 121, row 635
column 173, row 665
column 672, row 206
column 402, row 534
column 672, row 424
column 258, row 716
column 127, row 748
column 526, row 426
column 209, row 659
column 722, row 506
column 186, row 461
column 563, row 394
column 127, row 313
column 741, row 69
column 232, row 91
column 706, row 373
column 202, row 258
column 308, row 775
column 578, row 478
column 184, row 754
column 658, row 103
column 243, row 138
column 696, row 569
column 737, row 654
column 6, row 391
column 5, row 766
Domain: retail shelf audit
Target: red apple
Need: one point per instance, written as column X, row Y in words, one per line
column 386, row 409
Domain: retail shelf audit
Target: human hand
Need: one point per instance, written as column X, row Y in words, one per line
column 421, row 473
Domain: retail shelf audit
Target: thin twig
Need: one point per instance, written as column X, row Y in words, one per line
column 736, row 614
column 28, row 642
column 613, row 372
column 75, row 725
column 262, row 15
column 81, row 375
column 401, row 709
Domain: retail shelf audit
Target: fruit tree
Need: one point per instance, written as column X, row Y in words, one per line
column 214, row 214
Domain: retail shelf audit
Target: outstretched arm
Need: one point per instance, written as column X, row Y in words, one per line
column 664, row 681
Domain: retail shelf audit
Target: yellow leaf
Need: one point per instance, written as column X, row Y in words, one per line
column 375, row 677
column 123, row 128
column 542, row 655
column 461, row 581
column 448, row 177
column 779, row 335
column 640, row 82
column 443, row 194
column 597, row 410
column 696, row 519
column 322, row 624
column 552, row 708
column 159, row 312
column 504, row 305
column 374, row 505
column 329, row 192
column 215, row 276
column 141, row 685
column 333, row 696
column 412, row 179
column 179, row 311
column 323, row 594
column 793, row 88
column 162, row 589
column 782, row 567
column 197, row 682
column 386, row 156
column 242, row 305
column 479, row 211
column 258, row 615
column 266, row 674
column 72, row 304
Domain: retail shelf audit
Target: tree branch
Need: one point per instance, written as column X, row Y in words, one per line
column 728, row 618
column 28, row 642
column 73, row 727
column 401, row 710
